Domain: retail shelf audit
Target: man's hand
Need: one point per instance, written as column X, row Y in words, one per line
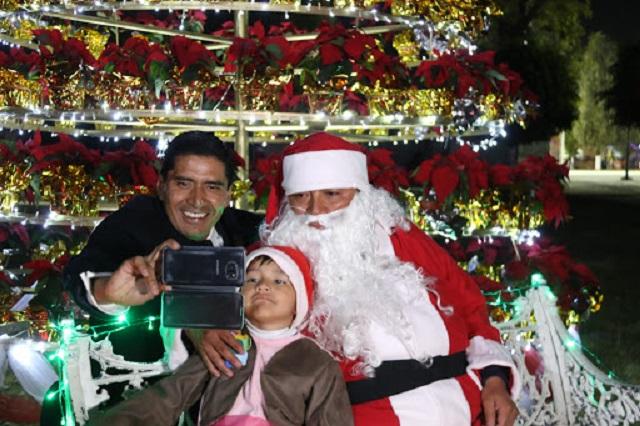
column 499, row 408
column 134, row 282
column 214, row 347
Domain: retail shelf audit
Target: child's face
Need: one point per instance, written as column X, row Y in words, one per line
column 269, row 296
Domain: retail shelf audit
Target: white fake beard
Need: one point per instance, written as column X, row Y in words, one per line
column 354, row 278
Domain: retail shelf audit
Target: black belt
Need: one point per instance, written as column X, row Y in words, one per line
column 394, row 377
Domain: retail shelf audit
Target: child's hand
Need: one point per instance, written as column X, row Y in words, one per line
column 214, row 347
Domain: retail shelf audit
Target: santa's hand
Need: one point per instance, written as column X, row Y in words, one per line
column 499, row 408
column 216, row 346
column 134, row 282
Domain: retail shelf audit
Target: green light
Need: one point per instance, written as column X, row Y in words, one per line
column 122, row 318
column 537, row 280
column 570, row 344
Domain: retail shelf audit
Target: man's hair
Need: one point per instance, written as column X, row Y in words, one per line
column 203, row 144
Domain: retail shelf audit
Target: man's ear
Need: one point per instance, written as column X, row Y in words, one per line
column 160, row 188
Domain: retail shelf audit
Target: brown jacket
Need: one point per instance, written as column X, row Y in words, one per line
column 301, row 383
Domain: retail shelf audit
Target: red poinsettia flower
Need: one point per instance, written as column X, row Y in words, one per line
column 465, row 82
column 384, row 172
column 512, row 82
column 586, row 276
column 444, row 180
column 297, row 51
column 422, row 175
column 330, row 54
column 227, row 29
column 143, row 171
column 189, row 52
column 357, row 43
column 5, row 60
column 137, row 46
column 289, row 101
column 29, row 60
column 433, row 74
column 51, row 42
column 39, row 268
column 243, row 52
column 156, row 55
column 356, row 102
column 75, row 50
column 486, row 58
column 267, row 173
column 487, row 284
column 501, row 175
column 328, row 32
column 517, row 270
column 66, row 146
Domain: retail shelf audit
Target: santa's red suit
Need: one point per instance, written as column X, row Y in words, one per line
column 323, row 162
column 445, row 402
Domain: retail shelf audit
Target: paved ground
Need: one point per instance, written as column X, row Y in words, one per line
column 605, row 183
column 605, row 234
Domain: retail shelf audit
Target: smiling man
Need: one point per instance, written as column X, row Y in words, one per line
column 190, row 208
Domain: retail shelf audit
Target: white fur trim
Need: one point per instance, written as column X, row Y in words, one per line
column 314, row 170
column 484, row 352
column 290, row 268
column 175, row 352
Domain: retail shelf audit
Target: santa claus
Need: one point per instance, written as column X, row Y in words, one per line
column 410, row 327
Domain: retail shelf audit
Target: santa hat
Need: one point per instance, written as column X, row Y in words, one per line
column 319, row 161
column 297, row 267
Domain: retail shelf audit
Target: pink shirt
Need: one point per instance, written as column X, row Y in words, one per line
column 248, row 409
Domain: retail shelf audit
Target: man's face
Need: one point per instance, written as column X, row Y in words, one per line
column 322, row 201
column 195, row 194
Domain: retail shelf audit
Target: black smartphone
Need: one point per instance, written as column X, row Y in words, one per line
column 195, row 266
column 205, row 287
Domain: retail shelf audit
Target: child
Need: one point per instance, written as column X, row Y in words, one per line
column 288, row 379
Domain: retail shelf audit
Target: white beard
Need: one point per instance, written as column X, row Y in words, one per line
column 357, row 282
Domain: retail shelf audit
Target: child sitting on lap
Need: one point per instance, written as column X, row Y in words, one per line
column 288, row 379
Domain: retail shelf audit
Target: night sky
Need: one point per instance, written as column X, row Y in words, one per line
column 619, row 19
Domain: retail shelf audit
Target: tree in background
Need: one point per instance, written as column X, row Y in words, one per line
column 624, row 95
column 594, row 128
column 542, row 39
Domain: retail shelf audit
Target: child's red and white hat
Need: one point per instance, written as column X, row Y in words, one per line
column 297, row 267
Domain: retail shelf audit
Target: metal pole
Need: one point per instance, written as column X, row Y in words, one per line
column 241, row 19
column 627, row 154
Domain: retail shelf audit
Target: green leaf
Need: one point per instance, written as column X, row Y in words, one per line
column 158, row 70
column 274, row 50
column 496, row 75
column 326, row 72
column 35, row 185
column 190, row 74
column 109, row 67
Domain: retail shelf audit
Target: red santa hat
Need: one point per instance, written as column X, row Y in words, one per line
column 319, row 161
column 297, row 267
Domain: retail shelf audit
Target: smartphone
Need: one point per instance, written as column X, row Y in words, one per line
column 195, row 266
column 205, row 287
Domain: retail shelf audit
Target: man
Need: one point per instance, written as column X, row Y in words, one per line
column 190, row 209
column 411, row 327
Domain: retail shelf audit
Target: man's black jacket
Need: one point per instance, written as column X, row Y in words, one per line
column 135, row 230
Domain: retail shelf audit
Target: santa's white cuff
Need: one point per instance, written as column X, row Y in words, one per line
column 109, row 308
column 483, row 352
column 175, row 352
